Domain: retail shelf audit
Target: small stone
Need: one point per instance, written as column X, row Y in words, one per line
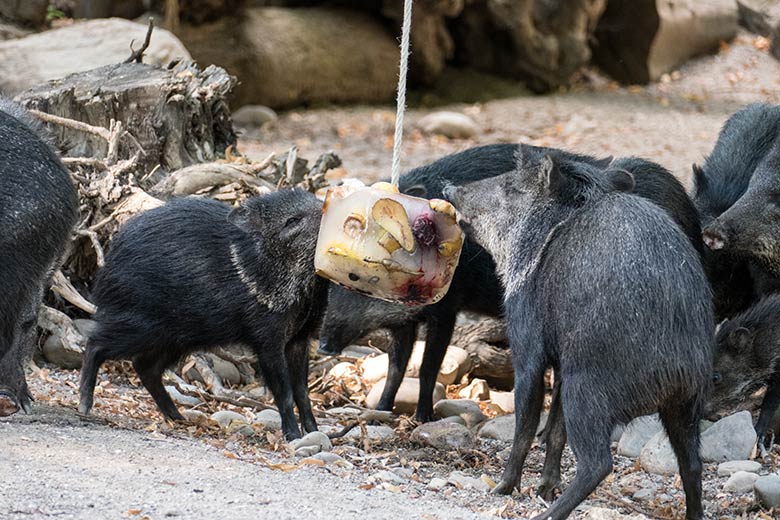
column 344, row 411
column 227, row 371
column 463, row 481
column 726, row 469
column 437, row 484
column 657, row 456
column 194, row 416
column 269, row 419
column 448, row 124
column 374, row 433
column 454, row 419
column 225, row 417
column 331, row 458
column 317, row 440
column 767, row 491
column 253, row 116
column 731, row 438
column 407, row 396
column 646, row 493
column 387, row 476
column 343, row 369
column 601, row 513
column 638, row 433
column 375, row 368
column 740, row 482
column 182, row 399
column 502, row 428
column 504, row 400
column 360, row 351
column 466, row 409
column 54, row 352
column 443, row 436
column 455, row 365
column 477, row 390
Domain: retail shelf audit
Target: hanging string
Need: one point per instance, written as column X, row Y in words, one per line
column 401, row 98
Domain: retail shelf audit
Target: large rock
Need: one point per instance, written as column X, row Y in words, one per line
column 58, row 353
column 731, row 438
column 286, row 57
column 729, row 468
column 638, row 432
column 502, row 428
column 37, row 58
column 740, row 482
column 465, row 409
column 407, row 396
column 639, row 41
column 449, row 124
column 25, row 12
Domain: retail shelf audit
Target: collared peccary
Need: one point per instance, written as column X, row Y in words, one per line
column 606, row 288
column 193, row 274
column 38, row 209
column 747, row 358
column 475, row 286
column 734, row 192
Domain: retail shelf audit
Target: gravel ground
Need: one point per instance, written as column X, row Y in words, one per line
column 127, row 463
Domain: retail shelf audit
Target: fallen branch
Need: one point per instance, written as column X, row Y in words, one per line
column 72, row 124
column 197, row 177
column 61, row 285
column 95, row 241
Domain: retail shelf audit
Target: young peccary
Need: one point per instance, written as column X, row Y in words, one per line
column 475, row 286
column 193, row 274
column 747, row 358
column 735, row 192
column 38, row 209
column 607, row 289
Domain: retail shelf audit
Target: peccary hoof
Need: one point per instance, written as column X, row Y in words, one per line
column 503, row 488
column 8, row 404
column 549, row 490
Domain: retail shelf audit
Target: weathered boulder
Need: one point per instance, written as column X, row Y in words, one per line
column 285, row 57
column 639, row 41
column 34, row 59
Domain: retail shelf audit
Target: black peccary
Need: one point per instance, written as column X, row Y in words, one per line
column 734, row 191
column 38, row 209
column 193, row 274
column 747, row 358
column 606, row 288
column 475, row 286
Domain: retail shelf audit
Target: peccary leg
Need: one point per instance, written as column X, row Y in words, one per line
column 588, row 433
column 437, row 339
column 298, row 365
column 529, row 397
column 681, row 420
column 94, row 356
column 273, row 364
column 768, row 409
column 150, row 368
column 555, row 440
column 398, row 359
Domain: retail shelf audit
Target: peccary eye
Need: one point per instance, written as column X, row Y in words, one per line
column 716, row 378
column 292, row 221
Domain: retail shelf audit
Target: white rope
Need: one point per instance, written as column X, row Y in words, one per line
column 401, row 99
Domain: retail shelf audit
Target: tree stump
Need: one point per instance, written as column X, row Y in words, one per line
column 174, row 117
column 486, row 342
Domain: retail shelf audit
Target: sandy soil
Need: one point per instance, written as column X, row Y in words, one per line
column 129, row 464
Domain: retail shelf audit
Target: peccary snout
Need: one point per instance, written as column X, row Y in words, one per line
column 715, row 237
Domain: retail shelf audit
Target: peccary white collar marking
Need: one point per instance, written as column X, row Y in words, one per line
column 250, row 284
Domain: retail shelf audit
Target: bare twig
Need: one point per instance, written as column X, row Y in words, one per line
column 62, row 286
column 84, row 161
column 72, row 124
column 115, row 132
column 137, row 56
column 93, row 238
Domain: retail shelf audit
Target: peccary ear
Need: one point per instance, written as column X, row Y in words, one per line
column 551, row 177
column 241, row 218
column 699, row 180
column 741, row 339
column 418, row 190
column 621, row 180
column 604, row 163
